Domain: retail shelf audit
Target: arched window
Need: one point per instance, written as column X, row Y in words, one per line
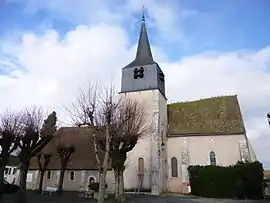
column 174, row 167
column 141, row 166
column 49, row 174
column 72, row 175
column 212, row 158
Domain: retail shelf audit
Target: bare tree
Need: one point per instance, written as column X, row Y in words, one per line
column 128, row 126
column 33, row 139
column 10, row 126
column 95, row 108
column 43, row 160
column 65, row 149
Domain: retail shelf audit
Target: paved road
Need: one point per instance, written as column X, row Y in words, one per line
column 73, row 198
column 188, row 199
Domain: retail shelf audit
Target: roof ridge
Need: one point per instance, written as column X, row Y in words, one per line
column 206, row 98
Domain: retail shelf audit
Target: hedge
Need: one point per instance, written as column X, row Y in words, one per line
column 95, row 186
column 241, row 181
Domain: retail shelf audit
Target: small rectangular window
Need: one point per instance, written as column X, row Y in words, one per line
column 15, row 171
column 49, row 174
column 72, row 175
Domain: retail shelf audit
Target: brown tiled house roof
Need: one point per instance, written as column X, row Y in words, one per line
column 82, row 158
column 13, row 161
column 266, row 173
column 217, row 115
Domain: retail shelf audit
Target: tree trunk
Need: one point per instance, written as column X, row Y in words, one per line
column 2, row 170
column 103, row 171
column 23, row 177
column 61, row 180
column 121, row 187
column 119, row 192
column 116, row 190
column 102, row 187
column 41, row 181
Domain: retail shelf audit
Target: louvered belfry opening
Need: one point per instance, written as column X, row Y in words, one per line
column 138, row 73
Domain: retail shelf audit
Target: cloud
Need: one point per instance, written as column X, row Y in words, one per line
column 47, row 69
column 164, row 17
column 56, row 67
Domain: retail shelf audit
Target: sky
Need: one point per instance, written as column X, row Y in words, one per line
column 51, row 48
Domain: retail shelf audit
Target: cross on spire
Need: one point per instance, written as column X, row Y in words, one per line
column 143, row 16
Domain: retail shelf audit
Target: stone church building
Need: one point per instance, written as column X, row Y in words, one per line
column 204, row 132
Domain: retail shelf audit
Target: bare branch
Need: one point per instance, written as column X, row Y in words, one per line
column 64, row 148
column 33, row 138
column 10, row 128
column 84, row 109
column 128, row 125
column 96, row 109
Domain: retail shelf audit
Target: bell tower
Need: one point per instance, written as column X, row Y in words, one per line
column 144, row 80
column 143, row 73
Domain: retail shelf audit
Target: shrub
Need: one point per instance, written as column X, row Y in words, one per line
column 95, row 186
column 243, row 180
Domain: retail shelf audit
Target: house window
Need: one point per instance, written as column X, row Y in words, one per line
column 72, row 175
column 138, row 73
column 174, row 167
column 9, row 170
column 140, row 166
column 212, row 158
column 49, row 174
column 14, row 171
column 6, row 171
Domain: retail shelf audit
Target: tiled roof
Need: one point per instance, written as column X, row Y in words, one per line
column 218, row 115
column 82, row 158
column 13, row 161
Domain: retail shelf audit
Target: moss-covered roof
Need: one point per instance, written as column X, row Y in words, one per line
column 212, row 115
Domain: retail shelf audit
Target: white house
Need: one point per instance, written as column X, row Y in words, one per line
column 12, row 171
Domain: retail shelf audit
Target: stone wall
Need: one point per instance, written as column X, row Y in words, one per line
column 195, row 150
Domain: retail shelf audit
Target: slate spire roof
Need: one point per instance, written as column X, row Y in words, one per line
column 144, row 54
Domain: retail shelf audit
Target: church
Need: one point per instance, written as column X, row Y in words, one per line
column 208, row 131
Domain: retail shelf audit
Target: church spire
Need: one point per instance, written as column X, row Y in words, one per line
column 144, row 54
